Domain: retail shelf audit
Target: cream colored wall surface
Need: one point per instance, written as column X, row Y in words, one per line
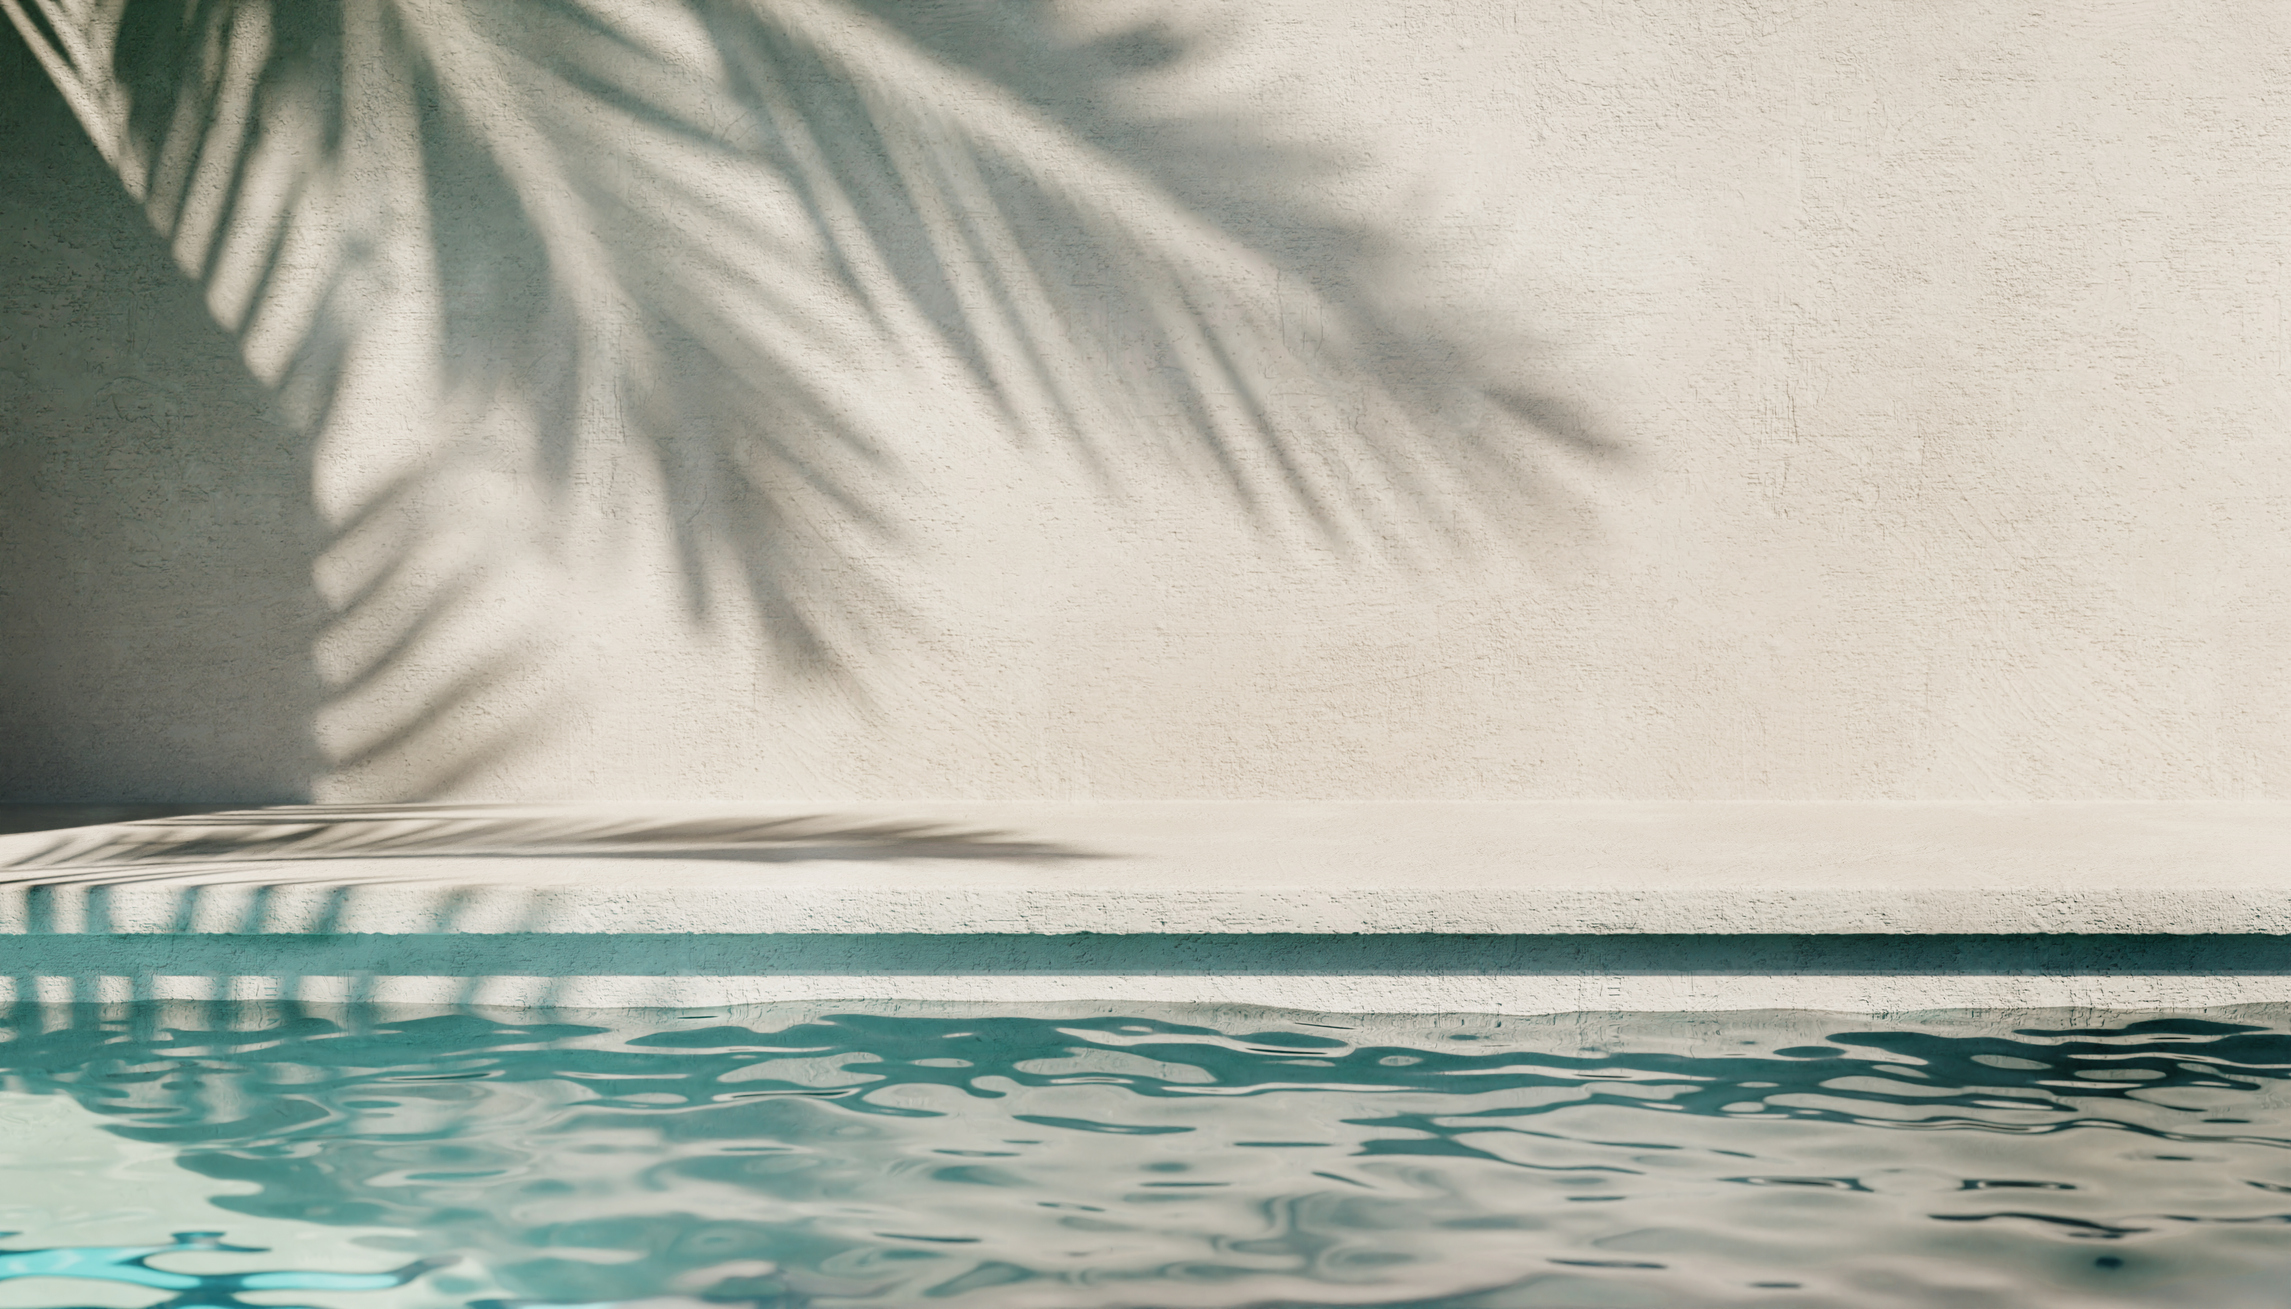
column 857, row 400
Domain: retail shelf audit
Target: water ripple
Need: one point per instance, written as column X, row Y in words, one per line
column 779, row 1159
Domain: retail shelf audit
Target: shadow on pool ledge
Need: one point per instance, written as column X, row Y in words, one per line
column 18, row 819
column 126, row 844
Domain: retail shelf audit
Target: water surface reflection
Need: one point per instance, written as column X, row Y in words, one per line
column 771, row 1157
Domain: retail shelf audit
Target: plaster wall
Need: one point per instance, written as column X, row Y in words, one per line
column 836, row 401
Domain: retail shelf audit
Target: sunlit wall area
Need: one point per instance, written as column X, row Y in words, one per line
column 857, row 399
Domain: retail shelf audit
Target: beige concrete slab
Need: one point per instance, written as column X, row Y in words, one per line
column 1232, row 867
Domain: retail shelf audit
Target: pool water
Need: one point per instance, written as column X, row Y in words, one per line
column 230, row 1155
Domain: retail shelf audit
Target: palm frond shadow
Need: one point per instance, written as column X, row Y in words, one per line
column 739, row 246
column 298, row 844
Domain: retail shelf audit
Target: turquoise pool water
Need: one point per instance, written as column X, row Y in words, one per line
column 217, row 1155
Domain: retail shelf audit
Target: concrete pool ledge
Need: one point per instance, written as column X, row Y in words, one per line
column 1425, row 906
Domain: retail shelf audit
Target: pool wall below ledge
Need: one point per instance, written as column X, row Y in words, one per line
column 1425, row 907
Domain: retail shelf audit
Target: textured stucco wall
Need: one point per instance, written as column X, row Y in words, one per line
column 873, row 401
column 156, row 611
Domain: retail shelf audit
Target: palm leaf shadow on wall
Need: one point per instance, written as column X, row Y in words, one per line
column 738, row 239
